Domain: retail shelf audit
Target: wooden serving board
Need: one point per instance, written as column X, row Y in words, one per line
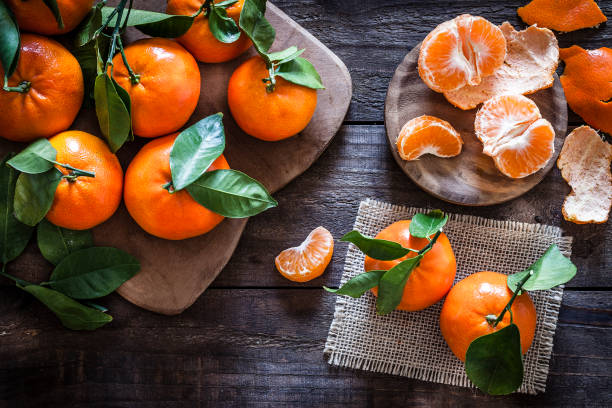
column 175, row 273
column 470, row 178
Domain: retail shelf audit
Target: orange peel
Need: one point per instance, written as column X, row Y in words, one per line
column 562, row 15
column 587, row 82
column 531, row 61
column 584, row 162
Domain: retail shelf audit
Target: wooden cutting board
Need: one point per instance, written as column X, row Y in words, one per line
column 175, row 273
column 470, row 178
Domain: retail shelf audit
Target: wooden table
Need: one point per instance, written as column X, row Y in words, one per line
column 254, row 338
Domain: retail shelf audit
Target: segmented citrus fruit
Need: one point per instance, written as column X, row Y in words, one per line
column 309, row 260
column 428, row 134
column 515, row 135
column 461, row 52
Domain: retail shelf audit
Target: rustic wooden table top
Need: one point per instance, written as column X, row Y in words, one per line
column 254, row 338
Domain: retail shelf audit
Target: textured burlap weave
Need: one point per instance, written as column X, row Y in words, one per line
column 410, row 343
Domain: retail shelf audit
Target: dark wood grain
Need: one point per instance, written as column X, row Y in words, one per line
column 256, row 339
column 471, row 178
column 256, row 348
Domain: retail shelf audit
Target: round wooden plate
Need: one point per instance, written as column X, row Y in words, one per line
column 470, row 178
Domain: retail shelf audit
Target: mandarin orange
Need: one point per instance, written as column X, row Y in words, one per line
column 35, row 16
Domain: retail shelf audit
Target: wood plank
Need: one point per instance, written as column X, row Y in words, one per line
column 255, row 347
column 373, row 37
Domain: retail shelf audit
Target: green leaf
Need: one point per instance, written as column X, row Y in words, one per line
column 10, row 42
column 494, row 363
column 127, row 102
column 87, row 56
column 52, row 5
column 37, row 158
column 376, row 248
column 231, row 193
column 153, row 23
column 72, row 314
column 285, row 55
column 95, row 305
column 301, row 72
column 93, row 272
column 425, row 225
column 358, row 285
column 226, row 3
column 222, row 27
column 14, row 235
column 56, row 243
column 34, row 195
column 85, row 31
column 552, row 269
column 391, row 285
column 195, row 149
column 113, row 114
column 254, row 24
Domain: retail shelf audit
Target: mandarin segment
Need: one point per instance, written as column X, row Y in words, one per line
column 85, row 202
column 308, row 260
column 200, row 41
column 584, row 162
column 463, row 315
column 514, row 134
column 459, row 52
column 168, row 87
column 562, row 15
column 531, row 61
column 53, row 95
column 587, row 82
column 428, row 135
column 431, row 280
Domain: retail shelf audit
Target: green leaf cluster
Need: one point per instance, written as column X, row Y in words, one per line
column 230, row 193
column 494, row 361
column 391, row 283
column 286, row 64
column 82, row 271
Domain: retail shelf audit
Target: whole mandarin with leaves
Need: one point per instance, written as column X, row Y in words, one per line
column 35, row 16
column 46, row 91
column 431, row 279
column 154, row 206
column 199, row 39
column 165, row 87
column 83, row 202
column 469, row 302
column 267, row 114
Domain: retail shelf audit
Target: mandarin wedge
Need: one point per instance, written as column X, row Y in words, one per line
column 469, row 302
column 428, row 134
column 461, row 52
column 587, row 82
column 584, row 162
column 309, row 260
column 515, row 135
column 431, row 279
column 562, row 15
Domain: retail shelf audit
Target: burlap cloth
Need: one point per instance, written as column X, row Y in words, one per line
column 410, row 343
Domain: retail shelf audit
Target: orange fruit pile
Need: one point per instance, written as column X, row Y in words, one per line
column 428, row 135
column 269, row 116
column 469, row 302
column 562, row 15
column 428, row 282
column 168, row 86
column 166, row 214
column 53, row 91
column 587, row 82
column 515, row 135
column 308, row 260
column 200, row 41
column 85, row 202
column 461, row 52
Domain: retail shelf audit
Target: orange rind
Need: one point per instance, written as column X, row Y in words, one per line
column 584, row 162
column 428, row 135
column 562, row 15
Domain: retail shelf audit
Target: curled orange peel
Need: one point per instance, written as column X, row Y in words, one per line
column 562, row 15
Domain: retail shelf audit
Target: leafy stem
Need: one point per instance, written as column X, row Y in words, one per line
column 74, row 172
column 134, row 78
column 494, row 321
column 431, row 243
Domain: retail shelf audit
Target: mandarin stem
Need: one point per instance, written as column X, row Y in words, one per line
column 77, row 172
column 430, row 244
column 23, row 87
column 111, row 52
column 509, row 305
column 134, row 78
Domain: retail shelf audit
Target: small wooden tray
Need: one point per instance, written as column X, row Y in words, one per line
column 470, row 178
column 175, row 273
